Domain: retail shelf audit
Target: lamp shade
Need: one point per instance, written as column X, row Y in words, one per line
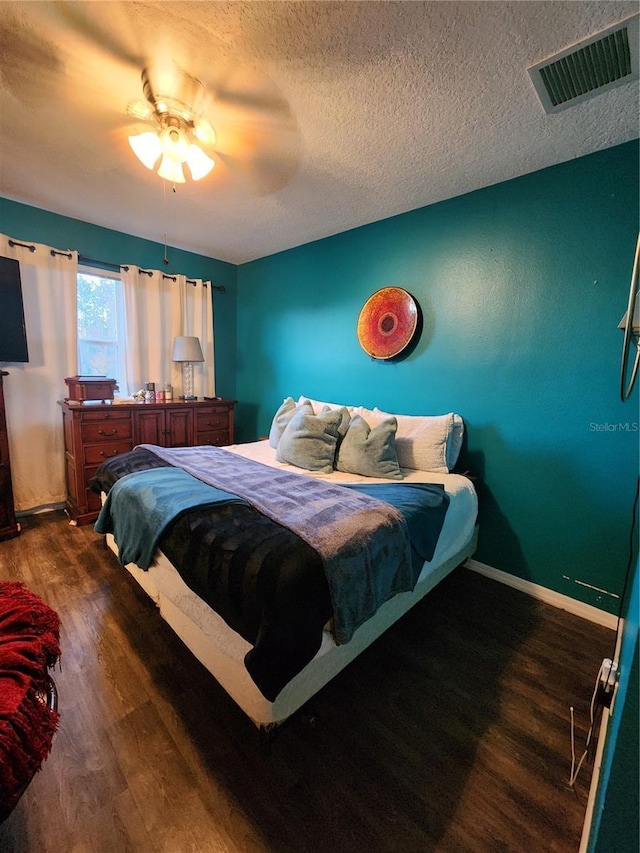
column 171, row 171
column 198, row 162
column 147, row 148
column 187, row 348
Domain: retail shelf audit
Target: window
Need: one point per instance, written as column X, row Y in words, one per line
column 101, row 326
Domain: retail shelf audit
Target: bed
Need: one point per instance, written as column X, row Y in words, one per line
column 321, row 459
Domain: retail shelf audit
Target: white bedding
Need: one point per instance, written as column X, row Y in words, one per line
column 222, row 651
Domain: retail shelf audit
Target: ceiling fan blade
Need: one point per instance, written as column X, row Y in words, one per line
column 257, row 135
column 266, row 158
column 44, row 60
column 249, row 90
column 22, row 50
column 257, row 101
column 98, row 25
column 264, row 175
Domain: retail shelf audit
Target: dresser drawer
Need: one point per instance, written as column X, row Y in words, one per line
column 214, row 438
column 115, row 413
column 94, row 454
column 214, row 419
column 115, row 429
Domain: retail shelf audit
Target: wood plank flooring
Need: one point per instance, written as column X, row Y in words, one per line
column 451, row 733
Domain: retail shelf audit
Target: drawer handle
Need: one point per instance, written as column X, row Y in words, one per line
column 165, row 431
column 214, row 423
column 106, row 455
column 107, row 432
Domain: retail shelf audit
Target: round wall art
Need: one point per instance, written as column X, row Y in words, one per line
column 387, row 322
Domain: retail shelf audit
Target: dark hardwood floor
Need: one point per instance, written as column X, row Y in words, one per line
column 451, row 733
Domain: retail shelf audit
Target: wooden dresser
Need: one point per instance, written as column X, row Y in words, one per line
column 94, row 432
column 9, row 527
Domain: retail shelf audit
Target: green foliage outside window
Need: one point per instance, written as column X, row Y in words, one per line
column 100, row 327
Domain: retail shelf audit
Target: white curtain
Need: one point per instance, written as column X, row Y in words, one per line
column 32, row 390
column 159, row 307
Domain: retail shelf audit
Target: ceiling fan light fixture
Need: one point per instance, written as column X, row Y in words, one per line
column 171, row 171
column 176, row 101
column 175, row 143
column 198, row 162
column 147, row 148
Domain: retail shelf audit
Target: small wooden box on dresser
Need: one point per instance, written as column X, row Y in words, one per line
column 97, row 431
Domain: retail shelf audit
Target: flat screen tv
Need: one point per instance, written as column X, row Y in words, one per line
column 13, row 334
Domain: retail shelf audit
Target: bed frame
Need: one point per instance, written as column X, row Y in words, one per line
column 221, row 650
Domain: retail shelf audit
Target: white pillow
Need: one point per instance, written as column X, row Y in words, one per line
column 421, row 442
column 454, row 441
column 454, row 445
column 319, row 406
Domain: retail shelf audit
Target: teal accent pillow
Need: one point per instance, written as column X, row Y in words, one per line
column 282, row 417
column 309, row 441
column 345, row 418
column 370, row 452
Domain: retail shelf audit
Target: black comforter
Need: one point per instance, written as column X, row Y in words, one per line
column 264, row 581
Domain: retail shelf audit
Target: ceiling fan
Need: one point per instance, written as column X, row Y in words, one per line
column 173, row 107
column 85, row 52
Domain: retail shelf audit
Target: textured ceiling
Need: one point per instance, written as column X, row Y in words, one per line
column 329, row 115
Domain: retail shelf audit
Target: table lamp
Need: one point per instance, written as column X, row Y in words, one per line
column 187, row 349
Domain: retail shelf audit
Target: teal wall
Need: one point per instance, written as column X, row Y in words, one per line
column 522, row 286
column 615, row 815
column 27, row 223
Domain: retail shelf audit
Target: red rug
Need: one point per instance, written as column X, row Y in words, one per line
column 29, row 644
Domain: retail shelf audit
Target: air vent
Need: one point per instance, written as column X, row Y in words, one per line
column 594, row 65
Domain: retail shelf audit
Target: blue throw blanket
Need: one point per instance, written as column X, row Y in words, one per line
column 423, row 506
column 140, row 506
column 363, row 542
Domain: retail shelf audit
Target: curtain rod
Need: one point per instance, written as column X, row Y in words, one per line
column 92, row 262
column 32, row 248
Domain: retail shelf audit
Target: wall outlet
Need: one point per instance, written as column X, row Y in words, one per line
column 608, row 675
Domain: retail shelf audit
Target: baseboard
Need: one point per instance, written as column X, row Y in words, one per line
column 36, row 510
column 557, row 599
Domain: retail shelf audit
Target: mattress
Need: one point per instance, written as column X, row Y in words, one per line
column 222, row 651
